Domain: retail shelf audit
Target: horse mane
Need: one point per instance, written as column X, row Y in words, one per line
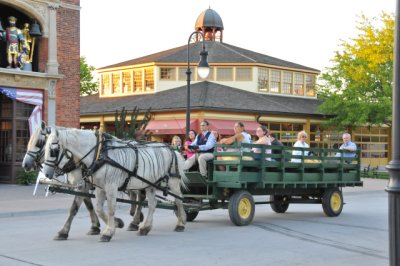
column 33, row 139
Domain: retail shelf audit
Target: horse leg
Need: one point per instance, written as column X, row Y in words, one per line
column 100, row 199
column 95, row 227
column 174, row 186
column 136, row 209
column 145, row 228
column 109, row 231
column 63, row 233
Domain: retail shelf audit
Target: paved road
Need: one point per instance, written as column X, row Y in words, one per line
column 301, row 236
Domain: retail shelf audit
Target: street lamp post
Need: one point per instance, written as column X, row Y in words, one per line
column 393, row 187
column 202, row 69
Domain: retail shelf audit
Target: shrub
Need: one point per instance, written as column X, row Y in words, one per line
column 26, row 178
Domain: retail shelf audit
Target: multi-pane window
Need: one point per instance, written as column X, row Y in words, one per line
column 275, row 81
column 149, row 79
column 137, row 80
column 116, row 88
column 243, row 73
column 298, row 84
column 310, row 85
column 167, row 73
column 126, row 81
column 373, row 143
column 224, row 74
column 263, row 79
column 287, row 82
column 23, row 111
column 22, row 132
column 105, row 84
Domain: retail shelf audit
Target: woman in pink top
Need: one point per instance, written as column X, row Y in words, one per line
column 262, row 134
column 192, row 136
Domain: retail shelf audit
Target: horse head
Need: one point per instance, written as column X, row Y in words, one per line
column 34, row 152
column 64, row 151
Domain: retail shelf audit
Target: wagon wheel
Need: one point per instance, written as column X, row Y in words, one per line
column 191, row 215
column 241, row 208
column 332, row 202
column 279, row 203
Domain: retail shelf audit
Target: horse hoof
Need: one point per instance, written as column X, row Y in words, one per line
column 179, row 228
column 143, row 231
column 133, row 227
column 61, row 236
column 119, row 223
column 105, row 238
column 94, row 231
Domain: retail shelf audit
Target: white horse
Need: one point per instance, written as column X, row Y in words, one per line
column 34, row 157
column 124, row 165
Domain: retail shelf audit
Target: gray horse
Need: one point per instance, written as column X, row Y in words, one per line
column 126, row 164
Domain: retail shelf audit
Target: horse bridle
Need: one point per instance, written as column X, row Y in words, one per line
column 70, row 165
column 39, row 154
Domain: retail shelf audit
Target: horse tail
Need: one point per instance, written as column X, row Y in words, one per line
column 180, row 161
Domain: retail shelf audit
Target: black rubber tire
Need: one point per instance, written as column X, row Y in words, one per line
column 241, row 208
column 190, row 216
column 332, row 202
column 278, row 203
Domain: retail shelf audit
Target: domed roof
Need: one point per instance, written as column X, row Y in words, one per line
column 209, row 18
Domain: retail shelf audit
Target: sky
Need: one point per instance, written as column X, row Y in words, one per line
column 306, row 32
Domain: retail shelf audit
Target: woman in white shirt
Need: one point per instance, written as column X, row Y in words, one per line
column 301, row 142
column 241, row 136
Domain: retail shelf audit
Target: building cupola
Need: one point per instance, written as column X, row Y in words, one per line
column 210, row 23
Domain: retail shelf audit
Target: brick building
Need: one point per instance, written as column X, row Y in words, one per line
column 51, row 76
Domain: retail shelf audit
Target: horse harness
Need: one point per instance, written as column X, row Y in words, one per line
column 101, row 158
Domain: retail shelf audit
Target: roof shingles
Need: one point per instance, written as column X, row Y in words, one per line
column 205, row 96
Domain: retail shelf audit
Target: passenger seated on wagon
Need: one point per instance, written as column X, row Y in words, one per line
column 348, row 147
column 241, row 136
column 301, row 142
column 275, row 142
column 203, row 145
column 262, row 134
column 176, row 143
column 188, row 152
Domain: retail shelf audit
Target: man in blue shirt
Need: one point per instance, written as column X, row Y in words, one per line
column 349, row 148
column 203, row 144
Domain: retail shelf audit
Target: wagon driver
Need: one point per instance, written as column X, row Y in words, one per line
column 203, row 145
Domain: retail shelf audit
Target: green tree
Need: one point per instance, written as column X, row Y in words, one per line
column 357, row 90
column 88, row 86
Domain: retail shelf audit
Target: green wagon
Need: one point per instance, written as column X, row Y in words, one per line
column 236, row 176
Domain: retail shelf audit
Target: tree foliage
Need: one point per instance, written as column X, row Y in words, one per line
column 88, row 86
column 357, row 90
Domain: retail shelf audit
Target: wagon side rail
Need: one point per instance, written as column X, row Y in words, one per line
column 239, row 166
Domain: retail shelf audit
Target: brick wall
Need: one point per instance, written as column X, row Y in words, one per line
column 68, row 41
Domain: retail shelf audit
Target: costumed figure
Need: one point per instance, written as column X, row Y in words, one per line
column 24, row 53
column 14, row 38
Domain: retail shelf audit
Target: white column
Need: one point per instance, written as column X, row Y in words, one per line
column 52, row 63
column 51, row 103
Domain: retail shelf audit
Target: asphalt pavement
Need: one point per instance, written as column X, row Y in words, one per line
column 301, row 236
column 19, row 199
